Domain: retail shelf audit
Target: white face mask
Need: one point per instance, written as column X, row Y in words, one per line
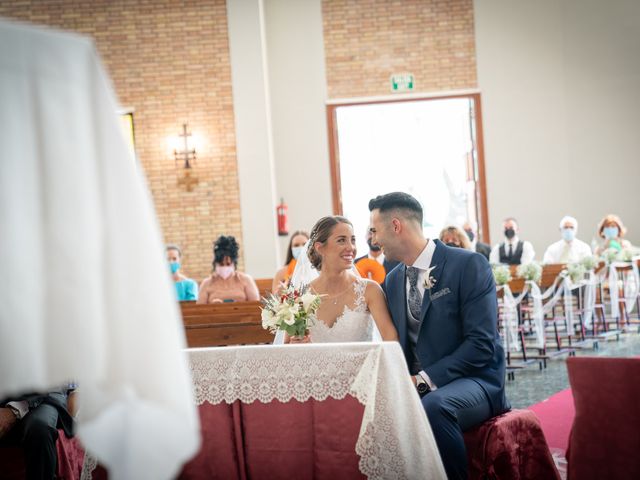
column 296, row 251
column 225, row 271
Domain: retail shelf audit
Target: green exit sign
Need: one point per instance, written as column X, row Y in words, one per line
column 402, row 82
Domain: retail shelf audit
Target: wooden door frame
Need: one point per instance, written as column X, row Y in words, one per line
column 334, row 155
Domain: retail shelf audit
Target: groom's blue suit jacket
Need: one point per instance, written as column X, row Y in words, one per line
column 458, row 336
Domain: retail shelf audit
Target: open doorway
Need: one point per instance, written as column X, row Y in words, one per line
column 430, row 148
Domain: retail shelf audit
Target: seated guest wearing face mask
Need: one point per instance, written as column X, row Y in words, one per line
column 186, row 289
column 471, row 229
column 376, row 253
column 569, row 249
column 512, row 251
column 226, row 284
column 612, row 230
column 453, row 236
column 296, row 246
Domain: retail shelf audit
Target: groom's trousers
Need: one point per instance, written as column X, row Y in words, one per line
column 451, row 410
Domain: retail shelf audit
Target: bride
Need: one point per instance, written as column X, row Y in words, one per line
column 350, row 304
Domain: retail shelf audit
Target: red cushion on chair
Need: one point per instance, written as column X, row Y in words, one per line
column 510, row 446
column 605, row 436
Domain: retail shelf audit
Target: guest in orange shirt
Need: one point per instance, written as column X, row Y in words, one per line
column 296, row 247
column 226, row 284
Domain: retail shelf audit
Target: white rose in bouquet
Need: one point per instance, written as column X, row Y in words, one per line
column 268, row 319
column 308, row 300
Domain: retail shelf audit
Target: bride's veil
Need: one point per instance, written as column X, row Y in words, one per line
column 303, row 274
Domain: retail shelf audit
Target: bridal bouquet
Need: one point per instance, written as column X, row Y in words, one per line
column 291, row 310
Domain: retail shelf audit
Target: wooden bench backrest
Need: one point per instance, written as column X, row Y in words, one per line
column 216, row 335
column 218, row 324
column 264, row 286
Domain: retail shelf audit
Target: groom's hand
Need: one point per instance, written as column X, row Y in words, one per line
column 413, row 380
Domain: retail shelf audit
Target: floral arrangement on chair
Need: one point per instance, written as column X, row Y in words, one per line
column 627, row 254
column 590, row 262
column 576, row 271
column 610, row 255
column 290, row 311
column 501, row 274
column 530, row 271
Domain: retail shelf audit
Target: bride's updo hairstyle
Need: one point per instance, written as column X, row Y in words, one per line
column 320, row 233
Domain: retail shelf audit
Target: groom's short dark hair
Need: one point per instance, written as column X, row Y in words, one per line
column 398, row 201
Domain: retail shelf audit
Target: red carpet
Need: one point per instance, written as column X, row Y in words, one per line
column 556, row 416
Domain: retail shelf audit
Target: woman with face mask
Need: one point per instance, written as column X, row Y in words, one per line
column 296, row 246
column 186, row 288
column 612, row 230
column 226, row 284
column 453, row 236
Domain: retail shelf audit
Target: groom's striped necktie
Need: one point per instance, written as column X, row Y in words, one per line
column 415, row 298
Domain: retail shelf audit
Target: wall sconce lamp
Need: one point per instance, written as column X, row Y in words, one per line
column 186, row 152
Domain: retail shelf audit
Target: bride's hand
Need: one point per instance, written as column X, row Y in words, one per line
column 305, row 339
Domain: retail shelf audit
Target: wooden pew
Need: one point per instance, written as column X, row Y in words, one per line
column 549, row 274
column 264, row 286
column 219, row 324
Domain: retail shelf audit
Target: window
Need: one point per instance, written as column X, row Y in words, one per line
column 427, row 147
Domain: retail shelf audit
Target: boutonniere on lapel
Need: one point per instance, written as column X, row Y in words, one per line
column 429, row 280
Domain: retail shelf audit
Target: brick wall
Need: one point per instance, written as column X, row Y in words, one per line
column 169, row 60
column 366, row 41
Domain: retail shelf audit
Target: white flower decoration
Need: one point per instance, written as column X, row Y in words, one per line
column 268, row 319
column 307, row 300
column 429, row 280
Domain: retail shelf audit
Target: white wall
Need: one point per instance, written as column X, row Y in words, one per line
column 298, row 91
column 253, row 136
column 560, row 84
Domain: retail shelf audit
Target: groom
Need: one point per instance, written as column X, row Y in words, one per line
column 443, row 304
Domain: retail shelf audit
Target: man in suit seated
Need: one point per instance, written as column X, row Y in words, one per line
column 512, row 251
column 443, row 303
column 32, row 421
column 471, row 229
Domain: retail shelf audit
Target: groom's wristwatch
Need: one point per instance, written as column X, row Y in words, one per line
column 422, row 386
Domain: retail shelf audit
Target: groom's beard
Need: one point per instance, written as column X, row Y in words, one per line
column 372, row 247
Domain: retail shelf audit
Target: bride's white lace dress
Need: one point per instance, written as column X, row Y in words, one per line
column 355, row 324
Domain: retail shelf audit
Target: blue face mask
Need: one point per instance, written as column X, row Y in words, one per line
column 174, row 266
column 610, row 232
column 296, row 251
column 568, row 234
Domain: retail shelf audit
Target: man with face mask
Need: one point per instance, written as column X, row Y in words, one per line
column 512, row 251
column 569, row 249
column 376, row 253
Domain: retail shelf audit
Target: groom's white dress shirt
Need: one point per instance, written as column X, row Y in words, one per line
column 422, row 263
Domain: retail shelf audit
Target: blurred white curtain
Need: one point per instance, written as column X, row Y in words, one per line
column 85, row 292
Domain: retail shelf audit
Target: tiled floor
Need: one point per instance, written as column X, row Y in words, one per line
column 532, row 385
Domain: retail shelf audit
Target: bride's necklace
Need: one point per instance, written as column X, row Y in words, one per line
column 334, row 298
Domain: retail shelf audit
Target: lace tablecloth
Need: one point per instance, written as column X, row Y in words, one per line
column 395, row 439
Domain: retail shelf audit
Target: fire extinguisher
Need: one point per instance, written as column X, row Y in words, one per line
column 281, row 210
